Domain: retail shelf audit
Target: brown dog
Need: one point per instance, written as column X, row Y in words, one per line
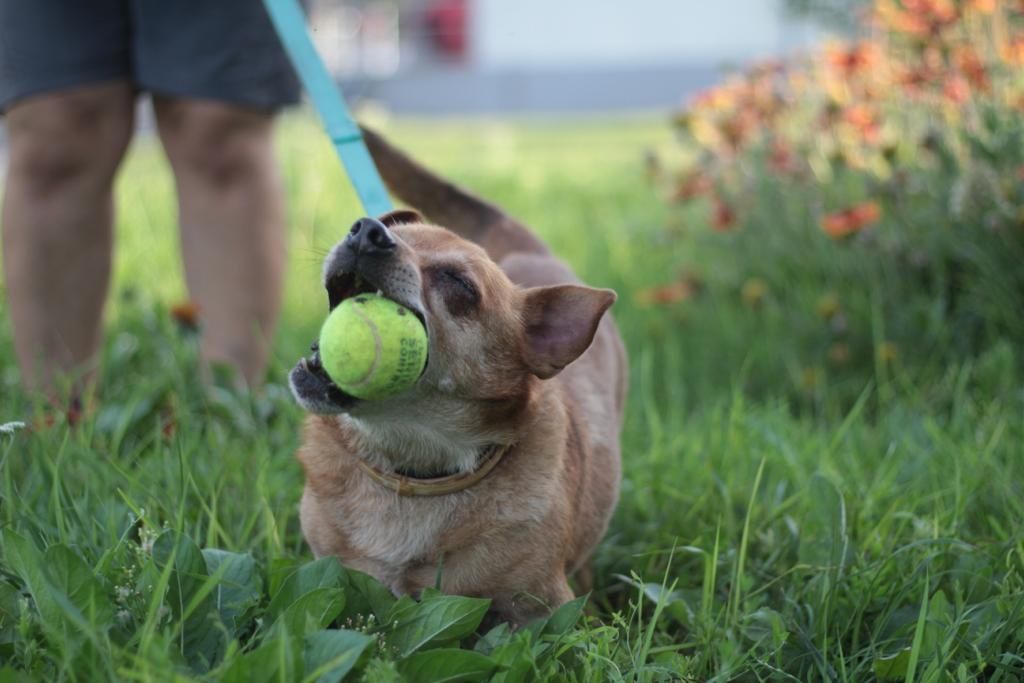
column 498, row 471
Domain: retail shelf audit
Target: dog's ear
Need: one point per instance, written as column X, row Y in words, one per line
column 560, row 323
column 400, row 217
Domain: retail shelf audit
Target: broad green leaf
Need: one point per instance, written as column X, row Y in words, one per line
column 330, row 655
column 536, row 627
column 279, row 569
column 496, row 637
column 201, row 639
column 365, row 594
column 25, row 560
column 311, row 612
column 940, row 617
column 70, row 574
column 402, row 605
column 765, row 625
column 277, row 659
column 60, row 612
column 437, row 619
column 446, row 666
column 430, row 592
column 515, row 659
column 323, row 573
column 561, row 620
column 565, row 617
column 239, row 585
column 189, row 566
column 893, row 667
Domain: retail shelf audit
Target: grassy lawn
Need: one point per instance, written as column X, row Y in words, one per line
column 757, row 536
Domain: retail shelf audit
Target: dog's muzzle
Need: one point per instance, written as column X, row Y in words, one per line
column 366, row 261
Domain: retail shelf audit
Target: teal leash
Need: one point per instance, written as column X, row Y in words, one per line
column 290, row 23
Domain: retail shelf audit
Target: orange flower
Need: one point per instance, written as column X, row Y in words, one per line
column 736, row 129
column 864, row 120
column 186, row 314
column 724, row 216
column 853, row 59
column 716, row 99
column 681, row 290
column 982, row 6
column 918, row 18
column 1014, row 52
column 956, row 89
column 899, row 20
column 781, row 159
column 938, row 13
column 867, row 212
column 973, row 69
column 843, row 223
column 917, row 78
column 693, row 184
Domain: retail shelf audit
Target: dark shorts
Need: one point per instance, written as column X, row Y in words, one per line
column 223, row 50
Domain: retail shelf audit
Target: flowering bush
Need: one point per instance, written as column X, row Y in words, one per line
column 870, row 193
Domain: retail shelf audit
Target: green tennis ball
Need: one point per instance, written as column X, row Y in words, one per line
column 372, row 347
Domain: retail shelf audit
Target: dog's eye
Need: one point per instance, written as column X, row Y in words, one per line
column 461, row 281
column 460, row 294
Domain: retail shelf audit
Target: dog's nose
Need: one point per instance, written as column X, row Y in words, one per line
column 370, row 236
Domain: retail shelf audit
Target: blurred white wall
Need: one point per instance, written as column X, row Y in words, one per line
column 546, row 56
column 538, row 34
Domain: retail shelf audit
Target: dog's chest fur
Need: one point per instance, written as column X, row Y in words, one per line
column 393, row 532
column 402, row 533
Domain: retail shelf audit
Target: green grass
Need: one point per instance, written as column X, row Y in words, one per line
column 756, row 538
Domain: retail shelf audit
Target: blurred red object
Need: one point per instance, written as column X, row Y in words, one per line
column 684, row 289
column 446, row 21
column 186, row 314
column 854, row 59
column 957, row 89
column 724, row 216
column 852, row 220
column 693, row 184
column 168, row 422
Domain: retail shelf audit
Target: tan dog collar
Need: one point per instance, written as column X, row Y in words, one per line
column 437, row 486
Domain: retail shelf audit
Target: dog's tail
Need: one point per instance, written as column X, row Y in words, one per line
column 448, row 204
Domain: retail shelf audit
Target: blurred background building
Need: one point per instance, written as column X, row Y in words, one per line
column 516, row 56
column 439, row 57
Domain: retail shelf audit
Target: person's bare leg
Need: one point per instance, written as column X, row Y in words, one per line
column 231, row 210
column 64, row 150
